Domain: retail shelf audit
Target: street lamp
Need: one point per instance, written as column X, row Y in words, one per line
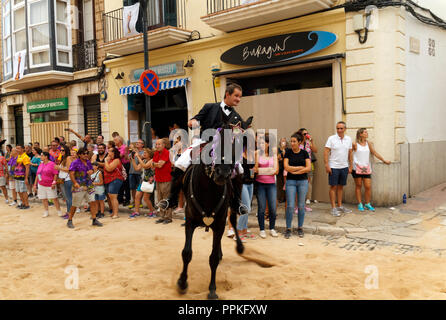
column 148, row 132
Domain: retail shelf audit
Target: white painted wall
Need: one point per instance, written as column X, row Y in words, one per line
column 438, row 7
column 425, row 82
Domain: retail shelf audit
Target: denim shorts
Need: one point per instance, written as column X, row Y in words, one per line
column 134, row 181
column 338, row 177
column 114, row 186
column 99, row 197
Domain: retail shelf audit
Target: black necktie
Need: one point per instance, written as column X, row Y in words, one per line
column 229, row 108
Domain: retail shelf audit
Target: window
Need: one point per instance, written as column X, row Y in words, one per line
column 7, row 49
column 63, row 33
column 39, row 33
column 60, row 115
column 18, row 27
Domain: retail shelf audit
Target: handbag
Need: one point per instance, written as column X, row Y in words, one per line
column 313, row 157
column 147, row 187
column 363, row 169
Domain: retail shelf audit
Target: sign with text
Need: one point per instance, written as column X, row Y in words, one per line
column 279, row 48
column 47, row 105
column 162, row 70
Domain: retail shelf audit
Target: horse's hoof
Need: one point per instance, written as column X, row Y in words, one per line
column 240, row 248
column 182, row 286
column 212, row 296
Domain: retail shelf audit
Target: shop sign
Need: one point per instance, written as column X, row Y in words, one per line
column 47, row 105
column 279, row 48
column 162, row 70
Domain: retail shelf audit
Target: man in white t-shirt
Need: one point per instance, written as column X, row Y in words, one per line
column 338, row 164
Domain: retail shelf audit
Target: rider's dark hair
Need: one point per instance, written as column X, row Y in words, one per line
column 231, row 87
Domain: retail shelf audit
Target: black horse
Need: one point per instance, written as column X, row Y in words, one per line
column 208, row 190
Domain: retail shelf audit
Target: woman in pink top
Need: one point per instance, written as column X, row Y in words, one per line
column 46, row 178
column 124, row 192
column 266, row 167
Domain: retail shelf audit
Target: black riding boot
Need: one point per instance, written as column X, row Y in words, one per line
column 175, row 188
column 236, row 201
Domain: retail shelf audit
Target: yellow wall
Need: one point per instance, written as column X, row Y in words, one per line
column 205, row 52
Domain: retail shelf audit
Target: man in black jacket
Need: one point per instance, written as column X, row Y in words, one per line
column 211, row 116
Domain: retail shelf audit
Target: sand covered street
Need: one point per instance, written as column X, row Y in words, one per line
column 142, row 260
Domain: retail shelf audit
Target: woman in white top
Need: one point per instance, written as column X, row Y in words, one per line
column 362, row 171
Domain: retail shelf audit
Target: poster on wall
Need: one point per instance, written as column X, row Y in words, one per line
column 19, row 64
column 129, row 19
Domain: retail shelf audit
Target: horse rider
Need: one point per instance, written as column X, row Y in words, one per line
column 211, row 116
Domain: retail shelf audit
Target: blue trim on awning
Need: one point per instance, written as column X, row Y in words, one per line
column 164, row 85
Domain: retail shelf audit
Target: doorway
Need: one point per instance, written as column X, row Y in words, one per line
column 18, row 120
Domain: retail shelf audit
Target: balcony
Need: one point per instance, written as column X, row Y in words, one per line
column 84, row 55
column 232, row 15
column 166, row 26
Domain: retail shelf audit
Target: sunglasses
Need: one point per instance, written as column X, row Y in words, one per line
column 340, row 128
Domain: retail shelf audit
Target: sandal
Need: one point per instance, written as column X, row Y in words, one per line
column 114, row 217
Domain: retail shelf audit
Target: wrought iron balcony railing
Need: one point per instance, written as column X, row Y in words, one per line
column 160, row 13
column 84, row 55
column 214, row 6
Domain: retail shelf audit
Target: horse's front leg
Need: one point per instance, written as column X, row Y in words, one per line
column 187, row 257
column 214, row 259
column 233, row 219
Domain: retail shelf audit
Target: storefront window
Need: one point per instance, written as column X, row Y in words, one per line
column 61, row 115
column 297, row 80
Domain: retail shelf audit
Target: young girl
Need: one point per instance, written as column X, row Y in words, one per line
column 148, row 176
column 11, row 168
column 99, row 190
column 3, row 176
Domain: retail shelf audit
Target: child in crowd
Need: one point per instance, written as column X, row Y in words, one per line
column 99, row 190
column 3, row 176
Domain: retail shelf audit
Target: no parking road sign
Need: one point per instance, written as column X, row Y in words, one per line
column 149, row 82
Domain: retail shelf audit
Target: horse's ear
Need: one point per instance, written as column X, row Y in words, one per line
column 247, row 123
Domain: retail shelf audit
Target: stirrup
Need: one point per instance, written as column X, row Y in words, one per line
column 163, row 204
column 242, row 209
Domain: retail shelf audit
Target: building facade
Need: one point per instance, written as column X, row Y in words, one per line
column 51, row 70
column 388, row 81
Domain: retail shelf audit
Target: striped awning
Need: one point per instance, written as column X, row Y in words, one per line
column 164, row 85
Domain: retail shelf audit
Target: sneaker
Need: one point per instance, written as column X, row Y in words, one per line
column 167, row 221
column 308, row 201
column 300, row 232
column 315, row 201
column 25, row 207
column 6, row 201
column 250, row 236
column 308, row 209
column 242, row 238
column 45, row 214
column 287, row 233
column 262, row 234
column 335, row 212
column 273, row 233
column 141, row 206
column 65, row 216
column 96, row 223
column 133, row 215
column 161, row 220
column 13, row 203
column 344, row 209
column 70, row 224
column 20, row 206
column 368, row 206
column 178, row 210
column 360, row 207
column 231, row 233
column 131, row 206
column 60, row 214
column 78, row 210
